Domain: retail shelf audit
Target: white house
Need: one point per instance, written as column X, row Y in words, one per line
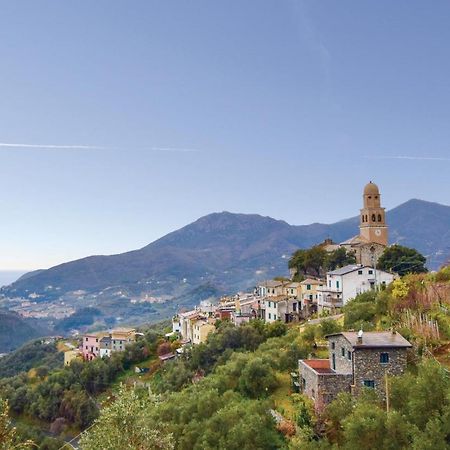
column 347, row 282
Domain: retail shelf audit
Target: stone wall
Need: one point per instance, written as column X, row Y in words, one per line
column 343, row 364
column 322, row 388
column 367, row 366
column 330, row 385
column 309, row 380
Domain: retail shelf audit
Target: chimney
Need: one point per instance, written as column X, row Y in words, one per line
column 360, row 336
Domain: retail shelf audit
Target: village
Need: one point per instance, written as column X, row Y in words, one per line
column 356, row 359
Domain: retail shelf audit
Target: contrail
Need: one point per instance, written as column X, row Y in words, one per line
column 413, row 158
column 95, row 147
column 65, row 147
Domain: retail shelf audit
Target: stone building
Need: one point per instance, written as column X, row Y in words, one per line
column 356, row 360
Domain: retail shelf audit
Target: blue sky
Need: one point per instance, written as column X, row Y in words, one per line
column 161, row 112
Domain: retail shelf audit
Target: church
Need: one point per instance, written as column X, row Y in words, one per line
column 373, row 231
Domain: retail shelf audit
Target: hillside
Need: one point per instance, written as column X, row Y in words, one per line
column 14, row 330
column 229, row 251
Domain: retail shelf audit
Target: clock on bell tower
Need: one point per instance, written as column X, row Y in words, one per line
column 372, row 225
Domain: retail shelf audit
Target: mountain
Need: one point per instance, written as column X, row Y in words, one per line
column 228, row 251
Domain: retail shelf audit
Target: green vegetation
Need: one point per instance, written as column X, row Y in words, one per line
column 8, row 436
column 402, row 260
column 81, row 318
column 220, row 394
column 35, row 354
column 15, row 330
column 315, row 261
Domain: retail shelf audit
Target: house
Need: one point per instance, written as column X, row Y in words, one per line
column 105, row 346
column 347, row 282
column 309, row 295
column 90, row 346
column 356, row 361
column 176, row 324
column 270, row 288
column 238, row 318
column 201, row 329
column 104, row 343
column 70, row 355
column 280, row 307
column 121, row 337
column 187, row 320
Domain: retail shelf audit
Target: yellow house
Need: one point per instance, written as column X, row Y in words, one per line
column 121, row 337
column 70, row 355
column 309, row 293
column 200, row 331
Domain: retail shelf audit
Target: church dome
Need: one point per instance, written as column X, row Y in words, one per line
column 371, row 189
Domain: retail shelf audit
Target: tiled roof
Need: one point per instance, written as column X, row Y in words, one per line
column 319, row 365
column 375, row 339
column 312, row 281
column 346, row 269
column 358, row 239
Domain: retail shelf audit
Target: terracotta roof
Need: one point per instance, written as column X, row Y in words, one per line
column 355, row 240
column 375, row 339
column 319, row 365
column 312, row 281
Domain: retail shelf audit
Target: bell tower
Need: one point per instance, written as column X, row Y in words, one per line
column 372, row 224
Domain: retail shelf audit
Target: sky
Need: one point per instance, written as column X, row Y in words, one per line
column 123, row 121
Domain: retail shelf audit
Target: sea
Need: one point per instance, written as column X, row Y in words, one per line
column 9, row 276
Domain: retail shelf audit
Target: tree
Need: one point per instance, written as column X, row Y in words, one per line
column 402, row 260
column 257, row 379
column 339, row 258
column 125, row 425
column 8, row 438
column 308, row 262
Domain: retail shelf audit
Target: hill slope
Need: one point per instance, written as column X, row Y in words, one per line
column 230, row 251
column 14, row 330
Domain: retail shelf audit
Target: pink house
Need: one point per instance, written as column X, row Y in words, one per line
column 90, row 346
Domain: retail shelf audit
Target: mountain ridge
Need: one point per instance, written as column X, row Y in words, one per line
column 230, row 250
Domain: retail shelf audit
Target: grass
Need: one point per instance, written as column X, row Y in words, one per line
column 282, row 396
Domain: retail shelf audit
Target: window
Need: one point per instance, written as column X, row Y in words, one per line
column 87, row 347
column 370, row 272
column 270, row 316
column 96, row 340
column 369, row 383
column 274, row 317
column 294, row 307
column 349, row 355
column 379, row 217
column 360, row 272
column 333, row 345
column 308, row 287
column 86, row 339
column 268, row 304
column 373, row 218
column 384, row 358
column 334, row 361
column 362, row 218
column 343, row 351
column 311, row 297
column 337, row 284
column 329, row 283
